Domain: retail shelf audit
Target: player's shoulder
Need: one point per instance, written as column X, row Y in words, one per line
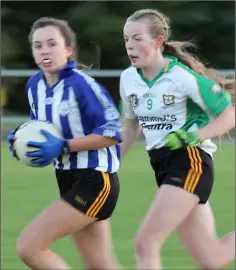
column 33, row 80
column 189, row 80
column 180, row 72
column 85, row 84
column 186, row 75
column 129, row 73
column 82, row 78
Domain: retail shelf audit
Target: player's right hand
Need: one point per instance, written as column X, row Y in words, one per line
column 181, row 138
column 10, row 142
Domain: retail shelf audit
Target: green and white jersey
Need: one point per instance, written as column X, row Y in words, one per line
column 176, row 98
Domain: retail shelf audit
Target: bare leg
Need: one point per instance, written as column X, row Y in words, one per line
column 198, row 234
column 171, row 206
column 95, row 244
column 58, row 220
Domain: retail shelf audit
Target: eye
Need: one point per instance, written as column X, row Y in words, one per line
column 138, row 39
column 52, row 44
column 37, row 46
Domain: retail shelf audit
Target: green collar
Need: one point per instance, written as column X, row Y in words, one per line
column 172, row 63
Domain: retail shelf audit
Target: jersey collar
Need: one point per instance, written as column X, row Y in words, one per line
column 172, row 63
column 64, row 72
column 70, row 65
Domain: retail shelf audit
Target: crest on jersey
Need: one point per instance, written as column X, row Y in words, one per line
column 134, row 100
column 64, row 108
column 168, row 100
column 216, row 88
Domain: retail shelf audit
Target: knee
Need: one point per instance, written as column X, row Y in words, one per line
column 211, row 262
column 146, row 244
column 212, row 265
column 24, row 251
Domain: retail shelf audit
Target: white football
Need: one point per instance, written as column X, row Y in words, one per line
column 30, row 131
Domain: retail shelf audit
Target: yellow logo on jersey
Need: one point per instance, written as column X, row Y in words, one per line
column 168, row 99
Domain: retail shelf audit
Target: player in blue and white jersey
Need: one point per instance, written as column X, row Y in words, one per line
column 88, row 156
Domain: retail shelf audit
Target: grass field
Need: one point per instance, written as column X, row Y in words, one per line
column 26, row 191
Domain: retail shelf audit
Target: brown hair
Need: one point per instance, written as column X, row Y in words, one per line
column 65, row 30
column 159, row 24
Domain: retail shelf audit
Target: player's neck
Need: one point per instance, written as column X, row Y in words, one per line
column 151, row 71
column 51, row 78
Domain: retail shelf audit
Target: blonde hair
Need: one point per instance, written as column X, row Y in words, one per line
column 159, row 24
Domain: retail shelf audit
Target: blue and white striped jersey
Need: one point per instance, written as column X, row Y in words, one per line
column 78, row 106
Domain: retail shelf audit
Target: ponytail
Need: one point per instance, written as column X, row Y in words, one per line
column 91, row 52
column 180, row 49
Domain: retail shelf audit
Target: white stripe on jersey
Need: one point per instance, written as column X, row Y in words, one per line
column 58, row 92
column 102, row 159
column 76, row 126
column 41, row 93
column 115, row 162
column 31, row 102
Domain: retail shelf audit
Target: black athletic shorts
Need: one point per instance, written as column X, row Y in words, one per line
column 189, row 168
column 92, row 192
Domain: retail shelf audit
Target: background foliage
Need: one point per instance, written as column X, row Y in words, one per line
column 210, row 23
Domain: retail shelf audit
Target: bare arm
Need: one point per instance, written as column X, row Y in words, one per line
column 91, row 142
column 131, row 131
column 221, row 125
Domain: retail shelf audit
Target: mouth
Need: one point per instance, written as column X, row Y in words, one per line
column 46, row 62
column 133, row 58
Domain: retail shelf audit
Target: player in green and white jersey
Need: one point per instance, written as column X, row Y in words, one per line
column 180, row 106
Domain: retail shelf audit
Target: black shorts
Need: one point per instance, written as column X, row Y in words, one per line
column 189, row 168
column 92, row 192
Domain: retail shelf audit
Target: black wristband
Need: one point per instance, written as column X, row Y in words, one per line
column 65, row 148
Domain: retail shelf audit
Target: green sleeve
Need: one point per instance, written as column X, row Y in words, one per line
column 214, row 97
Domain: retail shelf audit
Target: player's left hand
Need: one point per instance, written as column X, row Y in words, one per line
column 48, row 150
column 10, row 142
column 181, row 138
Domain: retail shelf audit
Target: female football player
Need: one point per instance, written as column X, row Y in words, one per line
column 87, row 159
column 180, row 105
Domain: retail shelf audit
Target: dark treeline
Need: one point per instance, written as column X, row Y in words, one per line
column 210, row 24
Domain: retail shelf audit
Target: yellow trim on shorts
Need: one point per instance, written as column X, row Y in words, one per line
column 101, row 198
column 195, row 171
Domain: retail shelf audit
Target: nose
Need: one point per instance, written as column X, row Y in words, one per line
column 45, row 50
column 129, row 45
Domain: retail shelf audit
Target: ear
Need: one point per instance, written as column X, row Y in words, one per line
column 69, row 51
column 159, row 41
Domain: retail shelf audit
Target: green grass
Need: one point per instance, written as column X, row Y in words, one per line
column 26, row 191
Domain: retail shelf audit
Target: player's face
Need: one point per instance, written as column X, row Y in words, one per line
column 49, row 50
column 140, row 46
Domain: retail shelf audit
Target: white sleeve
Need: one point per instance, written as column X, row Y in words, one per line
column 128, row 111
column 207, row 94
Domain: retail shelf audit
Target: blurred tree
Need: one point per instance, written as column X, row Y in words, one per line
column 210, row 23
